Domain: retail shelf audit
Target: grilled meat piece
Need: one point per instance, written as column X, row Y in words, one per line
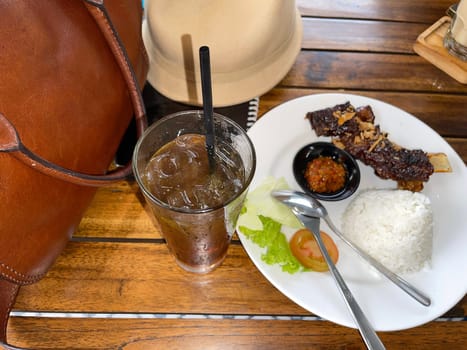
column 339, row 120
column 353, row 129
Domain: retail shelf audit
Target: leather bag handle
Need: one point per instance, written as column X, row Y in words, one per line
column 10, row 141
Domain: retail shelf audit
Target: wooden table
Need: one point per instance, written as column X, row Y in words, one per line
column 117, row 266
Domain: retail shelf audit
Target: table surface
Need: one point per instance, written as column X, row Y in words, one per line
column 116, row 287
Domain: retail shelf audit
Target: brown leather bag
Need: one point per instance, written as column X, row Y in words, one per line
column 71, row 72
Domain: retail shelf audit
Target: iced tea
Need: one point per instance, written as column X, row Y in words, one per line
column 196, row 207
column 179, row 174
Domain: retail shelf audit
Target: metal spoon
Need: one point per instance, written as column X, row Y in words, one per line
column 312, row 207
column 367, row 332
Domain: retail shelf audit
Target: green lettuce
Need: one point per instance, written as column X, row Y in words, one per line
column 276, row 244
column 261, row 220
column 260, row 202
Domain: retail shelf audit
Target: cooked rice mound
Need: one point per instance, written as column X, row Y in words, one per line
column 393, row 226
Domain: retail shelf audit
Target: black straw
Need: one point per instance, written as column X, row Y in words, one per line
column 206, row 88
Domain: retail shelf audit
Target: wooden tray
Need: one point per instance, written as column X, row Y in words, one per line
column 429, row 45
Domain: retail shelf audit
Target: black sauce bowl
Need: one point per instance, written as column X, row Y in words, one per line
column 327, row 149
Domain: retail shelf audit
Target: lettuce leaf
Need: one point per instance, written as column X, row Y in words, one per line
column 260, row 202
column 276, row 244
column 261, row 221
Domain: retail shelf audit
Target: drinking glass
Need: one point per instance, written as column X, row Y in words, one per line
column 198, row 233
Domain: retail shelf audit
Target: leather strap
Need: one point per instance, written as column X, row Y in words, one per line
column 100, row 14
column 8, row 293
column 10, row 141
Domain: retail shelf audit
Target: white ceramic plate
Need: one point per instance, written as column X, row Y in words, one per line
column 280, row 133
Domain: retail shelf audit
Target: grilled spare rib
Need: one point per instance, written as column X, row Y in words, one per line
column 354, row 130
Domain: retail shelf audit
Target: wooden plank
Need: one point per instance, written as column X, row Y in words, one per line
column 460, row 146
column 427, row 11
column 118, row 211
column 358, row 35
column 143, row 277
column 371, row 71
column 225, row 334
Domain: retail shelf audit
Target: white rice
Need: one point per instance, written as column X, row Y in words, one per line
column 393, row 226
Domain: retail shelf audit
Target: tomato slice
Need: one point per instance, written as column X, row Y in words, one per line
column 305, row 248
